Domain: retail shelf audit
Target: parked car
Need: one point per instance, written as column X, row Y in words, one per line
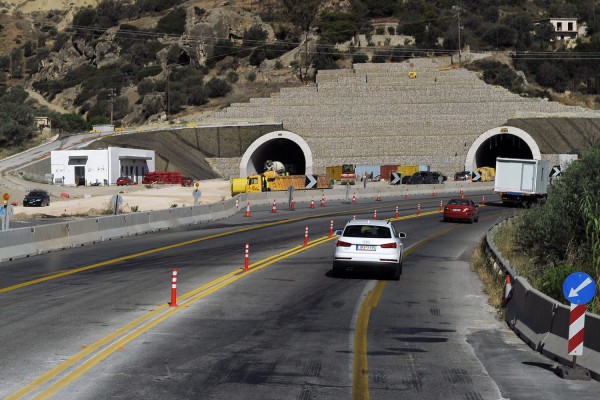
column 462, row 209
column 36, row 198
column 423, row 178
column 124, row 181
column 369, row 245
column 462, row 176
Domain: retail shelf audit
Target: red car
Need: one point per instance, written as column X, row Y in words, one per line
column 124, row 181
column 461, row 209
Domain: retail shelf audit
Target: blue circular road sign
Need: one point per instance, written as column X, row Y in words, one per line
column 579, row 288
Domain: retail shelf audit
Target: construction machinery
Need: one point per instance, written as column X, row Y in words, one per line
column 276, row 179
column 348, row 175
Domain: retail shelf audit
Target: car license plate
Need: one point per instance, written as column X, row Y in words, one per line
column 362, row 247
column 456, row 209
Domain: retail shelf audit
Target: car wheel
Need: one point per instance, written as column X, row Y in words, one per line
column 477, row 218
column 471, row 219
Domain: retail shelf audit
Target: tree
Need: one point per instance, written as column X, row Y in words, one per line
column 217, row 87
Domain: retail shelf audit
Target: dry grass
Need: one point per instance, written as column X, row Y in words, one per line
column 493, row 279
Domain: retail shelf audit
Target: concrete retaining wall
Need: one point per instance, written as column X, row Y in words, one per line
column 542, row 322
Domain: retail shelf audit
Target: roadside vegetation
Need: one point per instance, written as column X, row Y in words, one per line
column 550, row 241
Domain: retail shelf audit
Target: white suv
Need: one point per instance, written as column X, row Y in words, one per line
column 369, row 245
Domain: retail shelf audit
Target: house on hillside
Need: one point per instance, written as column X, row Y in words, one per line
column 565, row 28
column 86, row 167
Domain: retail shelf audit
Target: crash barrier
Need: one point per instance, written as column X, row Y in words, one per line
column 542, row 322
column 25, row 242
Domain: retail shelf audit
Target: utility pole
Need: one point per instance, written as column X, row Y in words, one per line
column 459, row 47
column 168, row 93
column 112, row 104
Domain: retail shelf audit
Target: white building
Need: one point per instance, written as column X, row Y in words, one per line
column 565, row 28
column 78, row 167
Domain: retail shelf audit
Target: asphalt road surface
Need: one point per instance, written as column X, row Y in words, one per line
column 95, row 322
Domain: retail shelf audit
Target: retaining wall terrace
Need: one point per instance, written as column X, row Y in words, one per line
column 380, row 113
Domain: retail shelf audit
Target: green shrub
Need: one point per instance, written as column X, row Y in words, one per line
column 145, row 86
column 251, row 77
column 551, row 281
column 232, row 77
column 172, row 23
column 217, row 87
column 360, row 58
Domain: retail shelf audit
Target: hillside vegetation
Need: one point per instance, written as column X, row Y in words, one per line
column 137, row 61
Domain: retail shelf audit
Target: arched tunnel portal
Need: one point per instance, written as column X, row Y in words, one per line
column 284, row 146
column 505, row 141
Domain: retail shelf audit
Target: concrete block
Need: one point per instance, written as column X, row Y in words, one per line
column 17, row 243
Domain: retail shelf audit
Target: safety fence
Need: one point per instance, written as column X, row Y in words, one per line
column 542, row 322
column 29, row 241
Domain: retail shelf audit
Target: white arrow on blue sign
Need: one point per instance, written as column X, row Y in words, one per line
column 579, row 288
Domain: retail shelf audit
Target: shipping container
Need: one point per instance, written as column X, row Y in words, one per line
column 334, row 172
column 386, row 171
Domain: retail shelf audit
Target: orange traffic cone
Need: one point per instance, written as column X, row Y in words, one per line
column 419, row 209
column 396, row 212
column 247, row 210
column 483, row 201
column 406, row 195
column 507, row 290
column 378, row 198
column 441, row 206
column 353, row 198
column 274, row 209
column 375, row 214
column 433, row 194
column 292, row 205
column 323, row 200
column 312, row 203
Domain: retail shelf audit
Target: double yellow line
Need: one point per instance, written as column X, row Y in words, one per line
column 80, row 363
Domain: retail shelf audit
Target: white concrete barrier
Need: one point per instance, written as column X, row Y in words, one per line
column 16, row 243
column 84, row 231
column 51, row 237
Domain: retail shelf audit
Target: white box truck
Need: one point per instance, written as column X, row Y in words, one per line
column 520, row 181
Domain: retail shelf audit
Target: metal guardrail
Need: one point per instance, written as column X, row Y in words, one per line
column 542, row 322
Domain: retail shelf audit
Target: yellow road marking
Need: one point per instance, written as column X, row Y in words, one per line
column 53, row 276
column 97, row 351
column 360, row 371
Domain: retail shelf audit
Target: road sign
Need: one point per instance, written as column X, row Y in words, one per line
column 6, row 197
column 476, row 176
column 555, row 171
column 579, row 288
column 311, row 182
column 396, row 178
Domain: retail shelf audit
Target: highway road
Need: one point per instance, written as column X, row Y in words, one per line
column 95, row 322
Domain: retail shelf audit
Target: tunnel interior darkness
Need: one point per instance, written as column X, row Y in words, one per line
column 284, row 150
column 502, row 145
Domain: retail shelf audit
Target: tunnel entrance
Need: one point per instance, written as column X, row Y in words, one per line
column 503, row 145
column 506, row 142
column 283, row 146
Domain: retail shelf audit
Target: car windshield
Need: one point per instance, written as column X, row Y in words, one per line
column 368, row 231
column 36, row 194
column 459, row 202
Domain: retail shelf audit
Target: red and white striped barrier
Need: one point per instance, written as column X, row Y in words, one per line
column 396, row 212
column 173, row 302
column 576, row 324
column 375, row 214
column 419, row 209
column 331, row 228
